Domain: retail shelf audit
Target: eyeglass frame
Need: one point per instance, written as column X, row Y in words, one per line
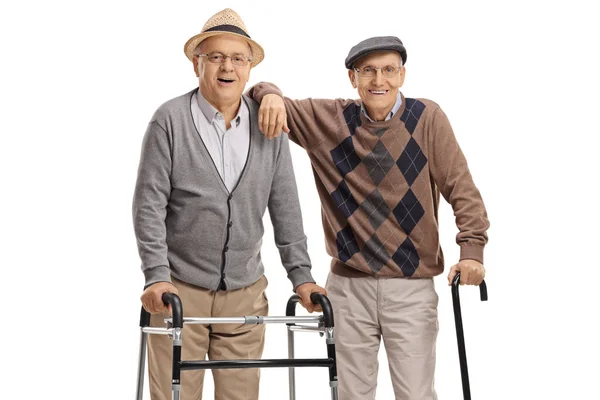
column 225, row 56
column 360, row 73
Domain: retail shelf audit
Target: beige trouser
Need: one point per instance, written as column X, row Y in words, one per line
column 219, row 341
column 403, row 312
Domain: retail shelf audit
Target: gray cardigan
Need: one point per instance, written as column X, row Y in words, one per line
column 186, row 222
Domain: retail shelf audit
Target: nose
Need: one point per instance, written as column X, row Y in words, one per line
column 227, row 65
column 378, row 78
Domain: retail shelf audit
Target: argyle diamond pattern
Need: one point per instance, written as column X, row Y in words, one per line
column 375, row 254
column 344, row 200
column 375, row 164
column 376, row 209
column 346, row 244
column 344, row 156
column 412, row 161
column 412, row 113
column 378, row 162
column 406, row 258
column 408, row 212
column 352, row 117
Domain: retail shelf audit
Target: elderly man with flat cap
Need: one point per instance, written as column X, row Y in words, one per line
column 380, row 164
column 205, row 178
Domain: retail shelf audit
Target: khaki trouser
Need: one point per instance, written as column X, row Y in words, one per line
column 219, row 341
column 403, row 312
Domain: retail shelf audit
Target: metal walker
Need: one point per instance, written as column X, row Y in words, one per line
column 174, row 328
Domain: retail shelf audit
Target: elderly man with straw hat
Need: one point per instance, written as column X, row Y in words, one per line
column 205, row 178
column 380, row 165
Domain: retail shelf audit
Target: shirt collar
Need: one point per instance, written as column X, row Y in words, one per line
column 212, row 113
column 391, row 114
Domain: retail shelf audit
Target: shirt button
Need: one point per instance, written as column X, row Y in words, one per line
column 225, row 249
column 229, row 224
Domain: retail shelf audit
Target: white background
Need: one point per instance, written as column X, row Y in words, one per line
column 80, row 80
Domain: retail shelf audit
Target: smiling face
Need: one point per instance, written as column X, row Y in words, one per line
column 378, row 92
column 222, row 84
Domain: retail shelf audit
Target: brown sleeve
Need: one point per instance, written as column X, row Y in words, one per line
column 450, row 173
column 309, row 120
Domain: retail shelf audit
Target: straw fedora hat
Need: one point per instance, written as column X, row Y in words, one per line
column 226, row 21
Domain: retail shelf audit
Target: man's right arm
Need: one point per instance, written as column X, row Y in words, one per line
column 309, row 121
column 152, row 191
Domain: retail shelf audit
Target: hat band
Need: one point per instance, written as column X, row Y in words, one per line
column 228, row 28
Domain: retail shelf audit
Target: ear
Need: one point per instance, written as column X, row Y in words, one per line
column 248, row 76
column 352, row 76
column 195, row 63
column 401, row 76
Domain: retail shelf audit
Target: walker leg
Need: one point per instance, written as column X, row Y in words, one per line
column 334, row 393
column 291, row 371
column 333, row 381
column 141, row 366
column 176, row 383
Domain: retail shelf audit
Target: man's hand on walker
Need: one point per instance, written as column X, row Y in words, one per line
column 304, row 292
column 152, row 297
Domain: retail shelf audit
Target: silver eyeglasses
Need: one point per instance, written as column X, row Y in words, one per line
column 238, row 59
column 389, row 71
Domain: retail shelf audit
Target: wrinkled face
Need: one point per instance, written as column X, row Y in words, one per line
column 378, row 92
column 222, row 84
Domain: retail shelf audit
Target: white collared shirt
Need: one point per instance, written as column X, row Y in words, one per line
column 227, row 147
column 391, row 114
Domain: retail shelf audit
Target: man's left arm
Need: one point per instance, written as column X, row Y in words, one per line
column 450, row 172
column 286, row 217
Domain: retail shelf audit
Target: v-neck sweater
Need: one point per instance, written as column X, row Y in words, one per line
column 380, row 184
column 188, row 224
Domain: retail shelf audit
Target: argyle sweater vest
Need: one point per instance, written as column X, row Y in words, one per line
column 380, row 184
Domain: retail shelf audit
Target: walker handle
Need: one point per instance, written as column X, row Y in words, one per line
column 176, row 309
column 316, row 298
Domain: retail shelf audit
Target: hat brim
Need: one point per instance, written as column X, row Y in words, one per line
column 258, row 53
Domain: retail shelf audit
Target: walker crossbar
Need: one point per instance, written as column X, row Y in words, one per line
column 250, row 320
column 273, row 363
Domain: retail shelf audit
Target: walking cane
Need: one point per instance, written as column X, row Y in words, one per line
column 460, row 336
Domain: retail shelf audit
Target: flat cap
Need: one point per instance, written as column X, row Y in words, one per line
column 378, row 43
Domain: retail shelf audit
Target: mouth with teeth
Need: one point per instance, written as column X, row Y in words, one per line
column 378, row 92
